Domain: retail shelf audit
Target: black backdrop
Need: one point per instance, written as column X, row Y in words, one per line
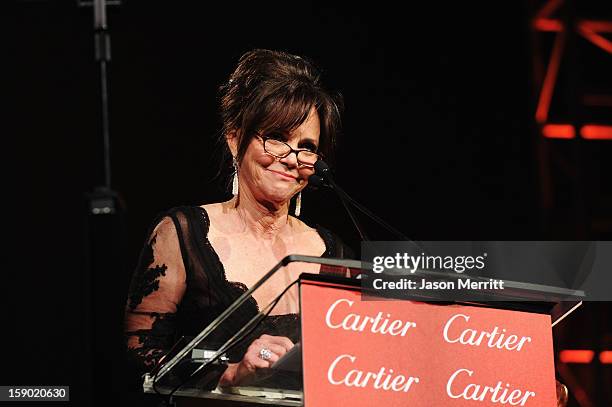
column 438, row 136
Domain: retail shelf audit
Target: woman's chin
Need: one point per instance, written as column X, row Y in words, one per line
column 278, row 200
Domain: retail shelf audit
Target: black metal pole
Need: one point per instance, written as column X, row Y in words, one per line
column 106, row 236
column 103, row 56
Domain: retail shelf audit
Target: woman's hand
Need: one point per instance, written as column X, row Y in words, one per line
column 262, row 353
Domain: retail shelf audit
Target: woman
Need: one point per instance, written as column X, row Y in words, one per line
column 277, row 121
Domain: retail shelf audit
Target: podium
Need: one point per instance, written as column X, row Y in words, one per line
column 354, row 346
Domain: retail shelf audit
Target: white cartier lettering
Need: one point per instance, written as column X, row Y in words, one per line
column 355, row 322
column 502, row 394
column 495, row 338
column 341, row 374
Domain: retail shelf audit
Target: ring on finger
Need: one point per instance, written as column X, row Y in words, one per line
column 265, row 354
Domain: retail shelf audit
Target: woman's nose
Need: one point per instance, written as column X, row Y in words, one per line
column 290, row 160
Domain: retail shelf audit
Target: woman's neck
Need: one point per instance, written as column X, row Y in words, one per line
column 265, row 221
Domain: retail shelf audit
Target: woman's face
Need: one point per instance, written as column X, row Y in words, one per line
column 275, row 180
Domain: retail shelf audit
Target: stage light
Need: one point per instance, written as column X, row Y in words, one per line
column 565, row 131
column 576, row 356
column 596, row 132
column 605, row 357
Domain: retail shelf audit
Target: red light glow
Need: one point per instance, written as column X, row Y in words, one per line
column 605, row 357
column 596, row 132
column 558, row 131
column 576, row 356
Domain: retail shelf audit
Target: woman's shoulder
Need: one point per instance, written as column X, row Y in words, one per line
column 178, row 212
column 335, row 246
column 300, row 226
column 213, row 209
column 179, row 219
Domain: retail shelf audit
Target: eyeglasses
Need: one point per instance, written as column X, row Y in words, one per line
column 280, row 149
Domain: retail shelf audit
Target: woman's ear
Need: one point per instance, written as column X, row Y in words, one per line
column 232, row 142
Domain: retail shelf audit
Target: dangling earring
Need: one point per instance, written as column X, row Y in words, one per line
column 298, row 204
column 235, row 179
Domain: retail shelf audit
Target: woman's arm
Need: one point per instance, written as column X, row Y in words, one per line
column 157, row 287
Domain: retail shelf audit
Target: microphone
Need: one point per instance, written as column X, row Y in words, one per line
column 322, row 170
column 315, row 181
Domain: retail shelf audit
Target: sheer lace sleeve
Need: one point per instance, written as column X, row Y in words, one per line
column 156, row 290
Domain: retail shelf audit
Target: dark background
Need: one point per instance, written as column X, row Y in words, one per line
column 439, row 139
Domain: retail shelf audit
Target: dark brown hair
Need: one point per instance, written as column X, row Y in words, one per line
column 273, row 91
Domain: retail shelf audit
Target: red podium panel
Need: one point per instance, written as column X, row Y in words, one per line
column 405, row 353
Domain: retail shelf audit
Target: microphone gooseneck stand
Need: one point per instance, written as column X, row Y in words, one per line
column 323, row 173
column 324, row 177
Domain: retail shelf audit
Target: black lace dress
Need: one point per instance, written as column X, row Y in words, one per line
column 180, row 286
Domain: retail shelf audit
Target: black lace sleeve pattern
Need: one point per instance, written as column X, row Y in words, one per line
column 157, row 287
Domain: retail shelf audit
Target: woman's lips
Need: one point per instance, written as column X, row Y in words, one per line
column 284, row 175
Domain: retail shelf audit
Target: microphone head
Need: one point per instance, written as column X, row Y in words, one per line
column 321, row 168
column 315, row 181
